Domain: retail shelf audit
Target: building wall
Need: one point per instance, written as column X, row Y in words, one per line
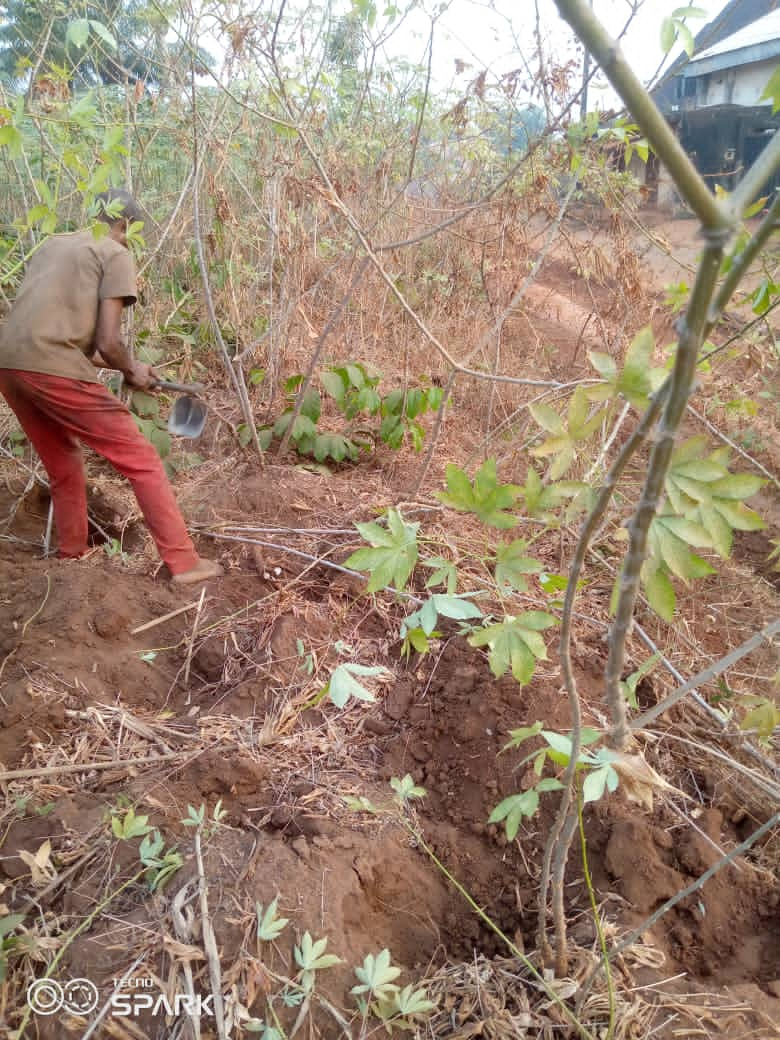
column 741, row 86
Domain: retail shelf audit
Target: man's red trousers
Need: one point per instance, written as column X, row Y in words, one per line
column 55, row 414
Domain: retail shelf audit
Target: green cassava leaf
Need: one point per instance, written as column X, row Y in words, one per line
column 515, row 644
column 103, row 33
column 634, row 382
column 486, row 498
column 772, row 90
column 343, row 683
column 512, row 565
column 444, row 573
column 597, row 782
column 660, row 594
column 668, row 34
column 78, row 32
column 685, row 37
column 393, row 556
column 513, row 809
column 547, row 418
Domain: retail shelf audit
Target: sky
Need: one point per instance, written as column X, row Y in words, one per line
column 484, row 34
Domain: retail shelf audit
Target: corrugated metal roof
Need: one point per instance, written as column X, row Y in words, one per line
column 763, row 30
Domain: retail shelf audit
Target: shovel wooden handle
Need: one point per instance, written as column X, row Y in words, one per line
column 181, row 388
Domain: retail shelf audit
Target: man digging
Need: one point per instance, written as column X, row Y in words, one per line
column 65, row 324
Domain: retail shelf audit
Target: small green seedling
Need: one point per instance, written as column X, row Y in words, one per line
column 311, row 957
column 130, row 826
column 269, row 925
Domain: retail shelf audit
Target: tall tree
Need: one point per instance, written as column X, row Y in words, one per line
column 110, row 41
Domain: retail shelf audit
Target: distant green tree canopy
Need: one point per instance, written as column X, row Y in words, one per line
column 111, row 41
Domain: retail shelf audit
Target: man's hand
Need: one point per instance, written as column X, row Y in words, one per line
column 140, row 376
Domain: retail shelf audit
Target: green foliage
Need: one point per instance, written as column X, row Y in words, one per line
column 18, row 439
column 763, row 296
column 630, row 136
column 637, row 379
column 161, row 863
column 113, row 549
column 515, row 644
column 121, row 40
column 512, row 566
column 772, row 90
column 310, row 957
column 519, row 736
column 674, row 29
column 486, row 498
column 705, row 505
column 566, row 438
column 629, row 685
column 79, row 29
column 377, row 977
column 393, row 555
column 600, row 774
column 406, row 789
column 269, row 925
column 264, row 436
column 512, row 810
column 198, row 820
column 677, row 296
column 419, row 626
column 369, row 416
column 410, row 1002
column 130, row 826
column 558, row 748
column 342, row 684
column 145, row 409
column 9, row 943
column 444, row 573
column 541, row 501
column 378, row 993
column 763, row 717
column 353, row 389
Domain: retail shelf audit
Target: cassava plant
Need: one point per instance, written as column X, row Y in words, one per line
column 719, row 219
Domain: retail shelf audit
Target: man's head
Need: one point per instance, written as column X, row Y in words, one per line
column 117, row 208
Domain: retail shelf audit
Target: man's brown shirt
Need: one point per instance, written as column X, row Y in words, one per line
column 51, row 325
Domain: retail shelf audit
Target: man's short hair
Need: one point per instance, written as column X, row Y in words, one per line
column 117, row 204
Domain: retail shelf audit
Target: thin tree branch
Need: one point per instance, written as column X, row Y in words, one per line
column 435, row 434
column 589, row 527
column 694, row 887
column 707, row 675
column 741, row 263
column 691, row 335
column 327, row 328
column 745, row 328
column 735, row 447
column 235, row 373
column 756, row 176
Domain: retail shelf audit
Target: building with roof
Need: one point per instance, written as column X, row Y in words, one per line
column 715, row 101
column 735, row 16
column 734, row 71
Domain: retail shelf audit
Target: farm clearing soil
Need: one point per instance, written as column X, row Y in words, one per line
column 78, row 687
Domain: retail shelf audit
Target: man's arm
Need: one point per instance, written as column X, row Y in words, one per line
column 111, row 351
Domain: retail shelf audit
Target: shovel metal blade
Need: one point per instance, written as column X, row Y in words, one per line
column 187, row 417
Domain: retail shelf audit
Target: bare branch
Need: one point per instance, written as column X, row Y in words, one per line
column 707, row 675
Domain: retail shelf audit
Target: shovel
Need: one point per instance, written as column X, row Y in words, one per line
column 188, row 415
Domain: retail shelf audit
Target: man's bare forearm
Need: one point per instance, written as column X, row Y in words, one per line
column 113, row 355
